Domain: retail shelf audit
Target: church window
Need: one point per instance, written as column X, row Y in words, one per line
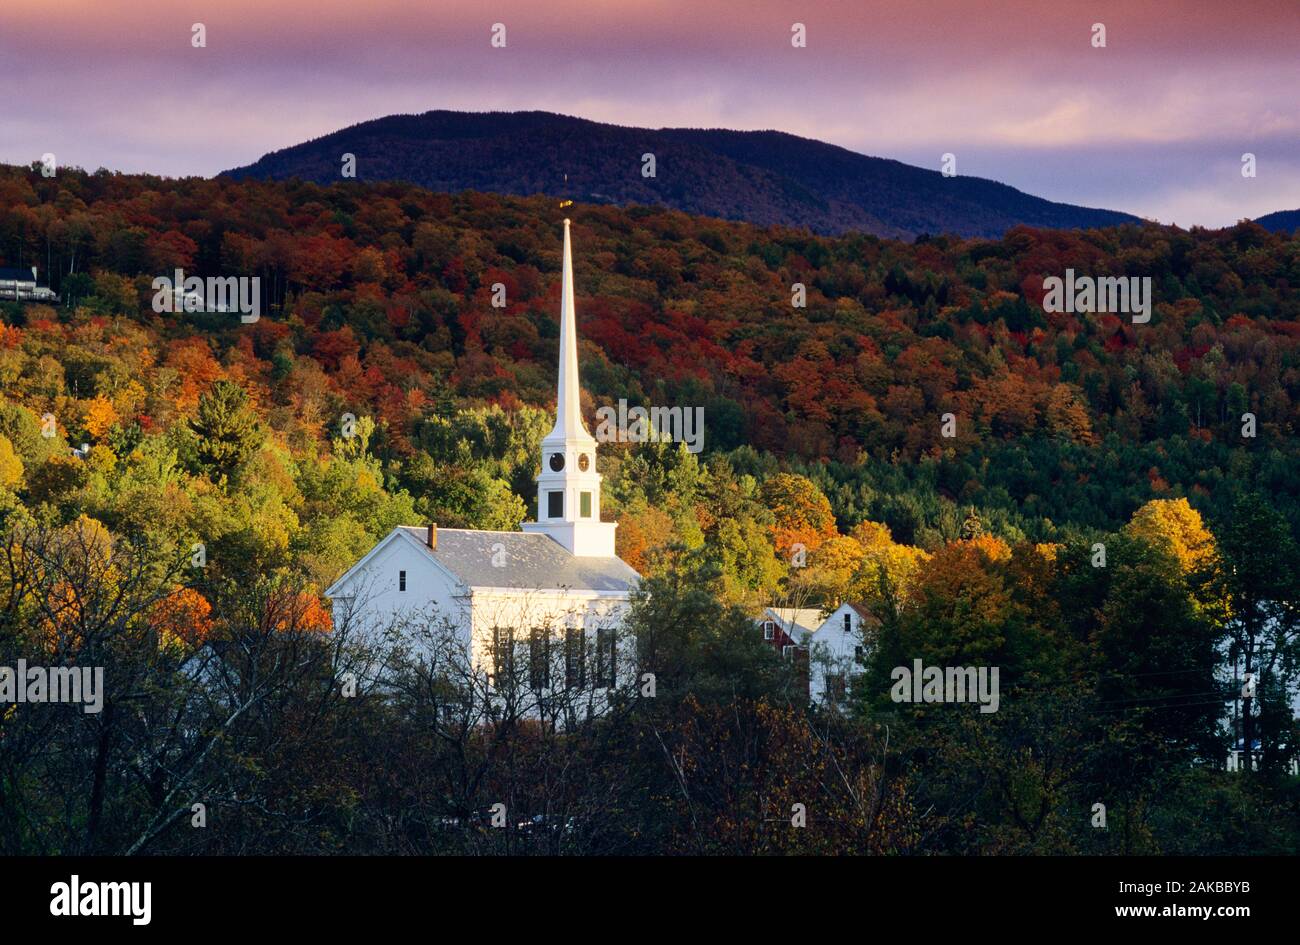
column 503, row 655
column 539, row 659
column 555, row 504
column 575, row 662
column 848, row 623
column 583, row 461
column 401, row 580
column 606, row 650
column 584, row 504
column 557, row 461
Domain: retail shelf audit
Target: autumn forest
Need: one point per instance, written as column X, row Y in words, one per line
column 128, row 438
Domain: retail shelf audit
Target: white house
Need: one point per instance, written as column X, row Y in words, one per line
column 21, row 286
column 554, row 592
column 837, row 654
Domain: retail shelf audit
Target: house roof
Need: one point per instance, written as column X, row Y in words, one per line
column 16, row 275
column 862, row 610
column 532, row 561
column 797, row 622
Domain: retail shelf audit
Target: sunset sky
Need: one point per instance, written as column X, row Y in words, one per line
column 1154, row 124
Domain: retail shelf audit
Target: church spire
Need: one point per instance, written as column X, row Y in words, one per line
column 568, row 412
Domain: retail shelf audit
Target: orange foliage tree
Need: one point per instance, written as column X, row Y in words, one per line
column 183, row 615
column 803, row 514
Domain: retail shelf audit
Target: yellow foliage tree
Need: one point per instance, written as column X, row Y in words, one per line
column 991, row 547
column 1174, row 525
column 11, row 465
column 872, row 535
column 832, row 567
column 101, row 415
column 130, row 399
column 101, row 459
column 900, row 563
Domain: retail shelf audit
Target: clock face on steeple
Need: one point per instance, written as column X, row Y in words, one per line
column 557, row 461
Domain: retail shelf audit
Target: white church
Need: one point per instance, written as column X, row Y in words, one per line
column 555, row 592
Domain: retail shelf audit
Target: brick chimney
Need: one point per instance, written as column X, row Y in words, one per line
column 431, row 536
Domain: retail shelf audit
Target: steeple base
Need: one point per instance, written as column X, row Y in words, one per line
column 581, row 539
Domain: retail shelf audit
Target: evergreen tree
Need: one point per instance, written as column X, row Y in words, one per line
column 228, row 430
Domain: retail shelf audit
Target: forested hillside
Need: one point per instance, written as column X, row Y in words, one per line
column 824, row 429
column 378, row 303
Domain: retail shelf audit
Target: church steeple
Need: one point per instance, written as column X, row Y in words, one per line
column 568, row 487
column 568, row 411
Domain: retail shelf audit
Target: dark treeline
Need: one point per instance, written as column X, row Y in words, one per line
column 1109, row 696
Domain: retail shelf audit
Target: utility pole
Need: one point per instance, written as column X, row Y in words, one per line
column 1248, row 688
column 1236, row 699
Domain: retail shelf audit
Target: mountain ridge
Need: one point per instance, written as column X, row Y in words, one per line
column 763, row 177
column 1280, row 221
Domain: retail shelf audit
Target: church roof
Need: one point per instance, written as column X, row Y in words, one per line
column 532, row 561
